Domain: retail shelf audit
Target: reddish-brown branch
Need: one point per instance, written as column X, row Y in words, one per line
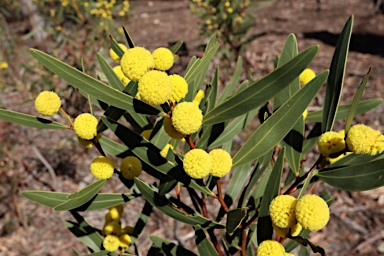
column 190, row 142
column 220, row 196
column 215, row 242
column 66, row 116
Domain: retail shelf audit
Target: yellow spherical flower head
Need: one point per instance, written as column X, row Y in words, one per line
column 187, row 118
column 331, row 142
column 125, row 240
column 164, row 151
column 312, row 212
column 155, row 87
column 119, row 73
column 85, row 126
column 362, row 139
column 130, row 167
column 282, row 211
column 112, row 228
column 47, row 103
column 199, row 96
column 221, row 162
column 163, row 58
column 111, row 243
column 332, row 160
column 136, row 62
column 116, row 212
column 197, row 163
column 180, row 88
column 114, row 55
column 170, row 130
column 270, row 248
column 306, row 76
column 102, row 167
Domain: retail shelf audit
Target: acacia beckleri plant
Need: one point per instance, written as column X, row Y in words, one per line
column 244, row 219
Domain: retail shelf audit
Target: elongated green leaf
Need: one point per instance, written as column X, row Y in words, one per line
column 88, row 190
column 336, row 76
column 161, row 138
column 169, row 248
column 276, row 127
column 359, row 177
column 262, row 90
column 130, row 42
column 264, row 223
column 200, row 66
column 342, row 111
column 111, row 147
column 92, row 86
column 234, row 218
column 353, row 159
column 260, row 166
column 85, row 232
column 28, row 120
column 293, row 141
column 204, row 246
column 81, row 197
column 166, row 207
column 100, row 201
column 150, row 154
column 355, row 101
column 111, row 76
column 116, row 48
column 228, row 89
column 142, row 221
column 101, row 253
column 174, row 48
column 289, row 52
column 47, row 198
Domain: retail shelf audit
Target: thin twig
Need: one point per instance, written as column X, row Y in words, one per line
column 46, row 164
column 190, row 142
column 67, row 116
column 220, row 195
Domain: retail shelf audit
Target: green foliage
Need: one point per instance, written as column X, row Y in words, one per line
column 230, row 20
column 268, row 164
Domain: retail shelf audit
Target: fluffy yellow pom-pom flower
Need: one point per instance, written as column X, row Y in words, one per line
column 112, row 228
column 171, row 131
column 282, row 211
column 130, row 167
column 136, row 62
column 88, row 143
column 102, row 167
column 187, row 118
column 221, row 162
column 197, row 163
column 180, row 88
column 362, row 139
column 199, row 96
column 163, row 58
column 111, row 243
column 270, row 248
column 125, row 240
column 164, row 151
column 114, row 55
column 155, row 87
column 283, row 232
column 306, row 76
column 312, row 212
column 331, row 142
column 47, row 103
column 85, row 126
column 119, row 73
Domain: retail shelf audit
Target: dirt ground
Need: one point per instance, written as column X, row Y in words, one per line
column 357, row 219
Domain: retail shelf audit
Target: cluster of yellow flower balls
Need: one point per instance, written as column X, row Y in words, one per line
column 360, row 139
column 48, row 103
column 115, row 235
column 155, row 86
column 198, row 163
column 289, row 216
